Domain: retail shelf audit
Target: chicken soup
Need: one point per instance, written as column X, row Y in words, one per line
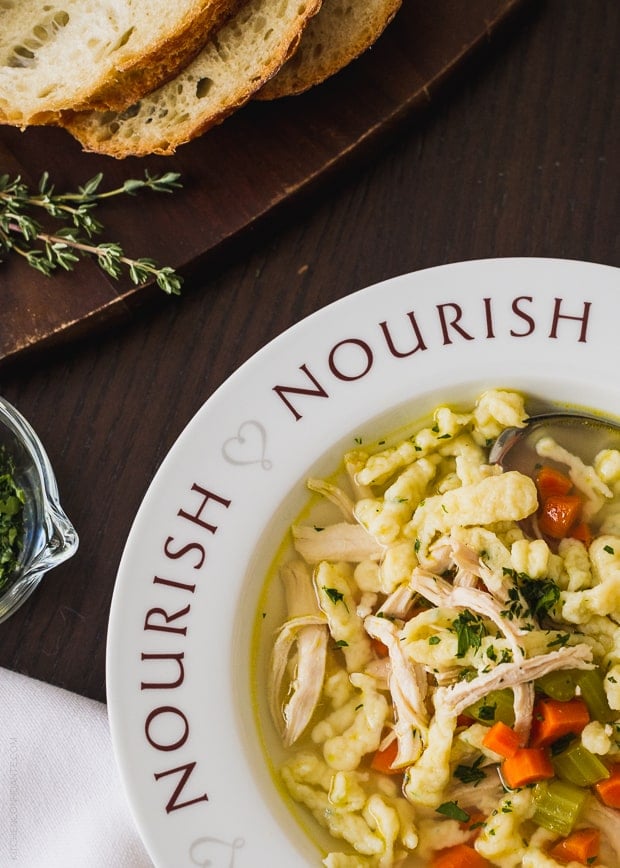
column 446, row 681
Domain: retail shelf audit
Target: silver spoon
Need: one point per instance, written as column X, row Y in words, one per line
column 582, row 434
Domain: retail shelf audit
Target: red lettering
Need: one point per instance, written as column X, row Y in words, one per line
column 196, row 517
column 164, row 628
column 186, row 771
column 488, row 312
column 401, row 354
column 366, row 362
column 162, row 685
column 318, row 392
column 170, row 583
column 583, row 319
column 454, row 323
column 522, row 315
column 168, row 710
column 179, row 553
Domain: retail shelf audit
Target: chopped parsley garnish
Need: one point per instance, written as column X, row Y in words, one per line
column 342, row 643
column 472, row 774
column 487, row 712
column 541, row 595
column 609, row 549
column 12, row 500
column 434, row 640
column 470, row 631
column 559, row 641
column 334, row 595
column 453, row 811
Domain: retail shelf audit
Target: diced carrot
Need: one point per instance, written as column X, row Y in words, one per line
column 551, row 481
column 383, row 759
column 459, row 856
column 502, row 739
column 379, row 648
column 553, row 719
column 609, row 789
column 580, row 846
column 583, row 533
column 526, row 766
column 559, row 514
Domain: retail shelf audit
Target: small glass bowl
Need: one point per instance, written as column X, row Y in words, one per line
column 49, row 536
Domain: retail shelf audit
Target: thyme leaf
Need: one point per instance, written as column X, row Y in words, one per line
column 47, row 251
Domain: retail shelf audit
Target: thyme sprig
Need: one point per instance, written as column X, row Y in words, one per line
column 46, row 251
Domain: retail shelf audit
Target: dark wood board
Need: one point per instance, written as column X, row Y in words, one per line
column 236, row 175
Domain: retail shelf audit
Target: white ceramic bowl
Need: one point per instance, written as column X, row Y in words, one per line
column 186, row 727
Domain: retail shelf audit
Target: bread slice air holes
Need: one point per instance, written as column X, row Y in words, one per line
column 24, row 54
column 203, row 86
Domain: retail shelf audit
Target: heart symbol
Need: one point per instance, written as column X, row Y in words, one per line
column 223, row 852
column 249, row 446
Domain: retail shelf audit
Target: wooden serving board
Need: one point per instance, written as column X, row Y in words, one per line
column 236, row 175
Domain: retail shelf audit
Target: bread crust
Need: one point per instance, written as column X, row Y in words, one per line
column 238, row 59
column 341, row 32
column 119, row 78
column 165, row 60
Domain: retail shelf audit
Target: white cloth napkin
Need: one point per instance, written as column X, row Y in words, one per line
column 61, row 800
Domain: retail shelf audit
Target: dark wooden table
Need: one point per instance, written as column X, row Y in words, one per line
column 517, row 156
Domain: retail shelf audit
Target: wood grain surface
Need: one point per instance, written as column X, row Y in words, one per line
column 515, row 156
column 264, row 157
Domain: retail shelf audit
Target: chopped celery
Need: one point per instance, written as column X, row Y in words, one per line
column 557, row 805
column 558, row 685
column 496, row 705
column 579, row 766
column 561, row 685
column 592, row 690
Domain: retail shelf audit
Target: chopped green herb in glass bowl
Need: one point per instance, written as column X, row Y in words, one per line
column 35, row 533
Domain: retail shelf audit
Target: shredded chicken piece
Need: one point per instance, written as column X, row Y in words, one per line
column 399, row 602
column 433, row 588
column 337, row 542
column 468, row 560
column 605, row 819
column 439, row 592
column 307, row 626
column 439, row 557
column 335, row 495
column 458, row 696
column 408, row 686
column 485, row 605
column 468, row 563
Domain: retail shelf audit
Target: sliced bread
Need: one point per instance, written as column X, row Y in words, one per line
column 232, row 66
column 68, row 54
column 342, row 30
